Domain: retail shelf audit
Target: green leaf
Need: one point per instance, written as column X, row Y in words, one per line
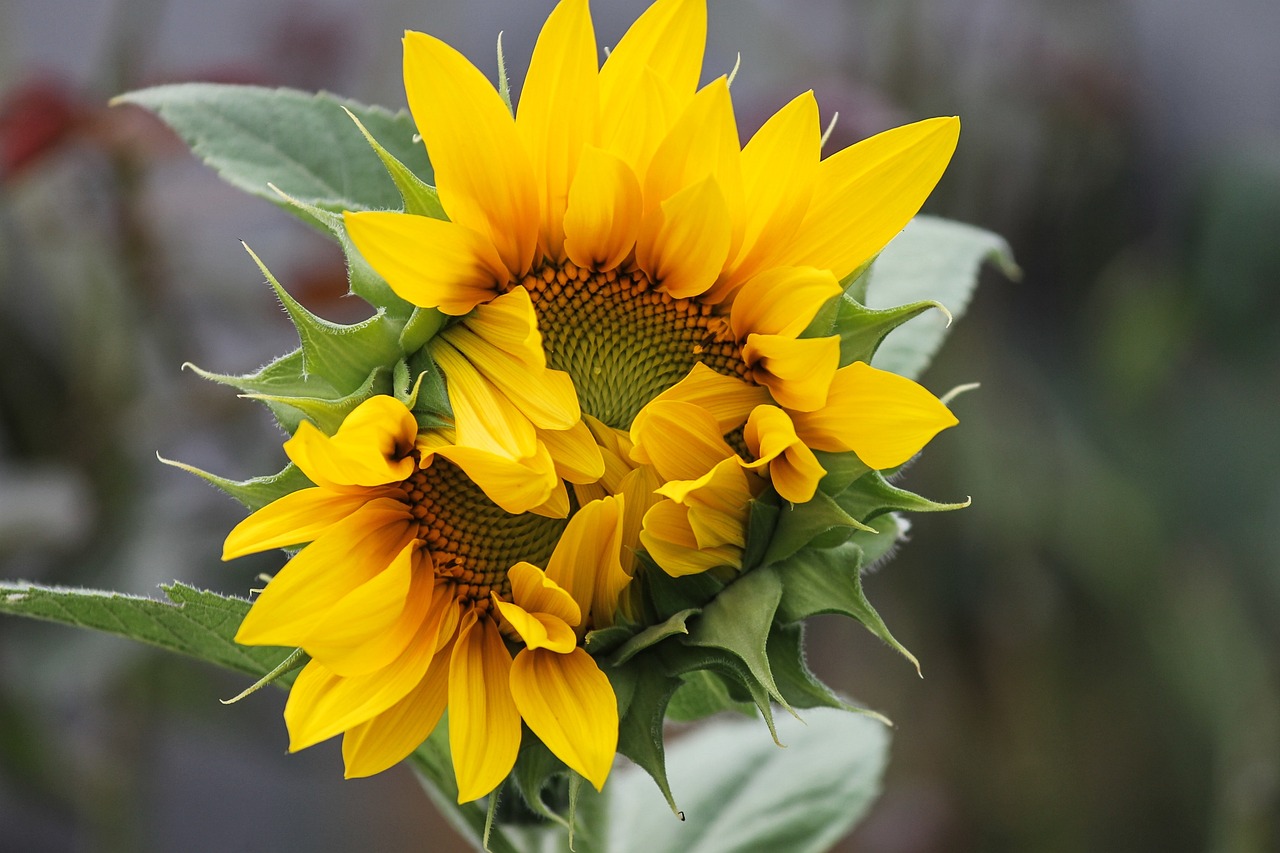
column 738, row 621
column 326, row 413
column 193, row 622
column 365, row 280
column 283, row 377
column 676, row 624
column 932, row 259
column 702, row 694
column 669, row 595
column 829, row 580
column 742, row 794
column 796, row 681
column 800, row 524
column 863, row 329
column 303, row 143
column 419, row 197
column 761, row 523
column 643, row 692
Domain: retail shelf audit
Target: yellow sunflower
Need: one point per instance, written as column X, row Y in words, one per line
column 627, row 366
column 617, row 216
column 397, row 601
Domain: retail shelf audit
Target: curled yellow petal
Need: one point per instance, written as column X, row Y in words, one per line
column 680, row 440
column 771, row 438
column 569, row 704
column 781, row 301
column 797, row 371
column 369, row 449
column 532, row 590
column 586, row 561
column 669, row 539
column 538, row 630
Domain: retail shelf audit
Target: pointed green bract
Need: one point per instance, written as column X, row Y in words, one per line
column 800, row 524
column 674, row 625
column 829, row 580
column 872, row 495
column 738, row 621
column 256, row 492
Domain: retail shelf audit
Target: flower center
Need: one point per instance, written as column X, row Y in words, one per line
column 473, row 541
column 621, row 340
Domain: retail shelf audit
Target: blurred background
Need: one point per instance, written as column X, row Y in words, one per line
column 1098, row 632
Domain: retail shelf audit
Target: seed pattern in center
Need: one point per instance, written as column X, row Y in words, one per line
column 622, row 340
column 473, row 541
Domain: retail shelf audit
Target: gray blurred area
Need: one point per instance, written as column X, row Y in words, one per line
column 1098, row 632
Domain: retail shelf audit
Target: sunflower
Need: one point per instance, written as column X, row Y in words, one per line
column 629, row 365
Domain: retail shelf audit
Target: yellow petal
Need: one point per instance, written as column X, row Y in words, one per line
column 793, row 469
column 718, row 504
column 390, row 737
column 638, row 491
column 570, row 705
column 884, row 418
column 779, row 166
column 369, row 449
column 602, row 217
column 322, row 704
column 483, row 173
column 576, row 454
column 348, row 554
column 546, row 397
column 702, row 143
column 429, row 262
column 650, row 76
column 516, row 485
column 373, row 623
column 586, row 561
column 682, row 441
column 538, row 630
column 559, row 109
column 868, row 192
column 556, row 505
column 682, row 246
column 510, row 324
column 729, row 400
column 797, row 371
column 296, row 518
column 362, row 614
column 781, row 301
column 669, row 540
column 484, row 725
column 533, row 591
column 485, row 418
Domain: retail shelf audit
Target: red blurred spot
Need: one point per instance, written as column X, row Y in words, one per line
column 35, row 118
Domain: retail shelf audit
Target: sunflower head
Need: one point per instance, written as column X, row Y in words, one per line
column 614, row 430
